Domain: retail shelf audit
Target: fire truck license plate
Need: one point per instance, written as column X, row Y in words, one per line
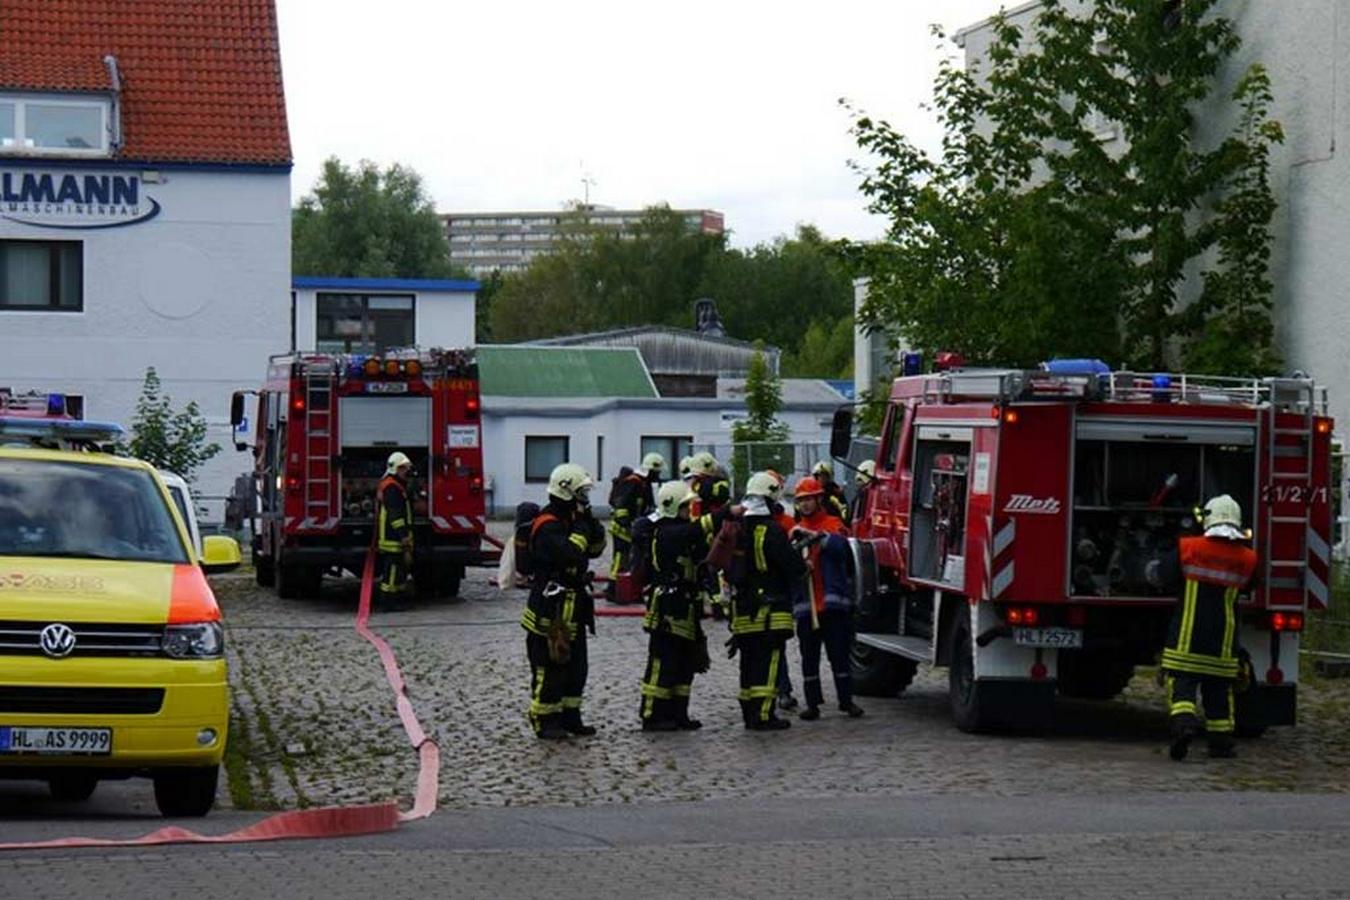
column 1070, row 638
column 56, row 741
column 386, row 387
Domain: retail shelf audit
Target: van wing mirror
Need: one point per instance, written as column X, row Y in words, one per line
column 841, row 432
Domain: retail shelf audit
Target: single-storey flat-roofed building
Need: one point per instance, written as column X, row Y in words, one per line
column 144, row 204
column 370, row 315
column 600, row 407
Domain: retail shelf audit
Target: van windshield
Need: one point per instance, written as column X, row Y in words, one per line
column 71, row 510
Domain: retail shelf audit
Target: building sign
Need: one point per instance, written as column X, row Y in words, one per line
column 74, row 200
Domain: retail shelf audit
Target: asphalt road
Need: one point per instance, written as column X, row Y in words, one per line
column 1155, row 845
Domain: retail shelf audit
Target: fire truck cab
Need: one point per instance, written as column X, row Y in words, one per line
column 326, row 424
column 1018, row 521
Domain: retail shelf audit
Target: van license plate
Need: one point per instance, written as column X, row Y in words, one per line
column 19, row 740
column 1068, row 638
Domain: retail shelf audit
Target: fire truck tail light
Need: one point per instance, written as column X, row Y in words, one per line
column 1324, row 426
column 391, row 367
column 372, row 366
column 1286, row 621
column 471, row 406
column 1026, row 616
column 292, row 483
column 298, row 404
column 1010, row 416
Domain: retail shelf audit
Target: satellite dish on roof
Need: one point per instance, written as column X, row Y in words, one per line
column 706, row 319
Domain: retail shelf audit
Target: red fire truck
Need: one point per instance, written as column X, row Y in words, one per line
column 326, row 425
column 1018, row 519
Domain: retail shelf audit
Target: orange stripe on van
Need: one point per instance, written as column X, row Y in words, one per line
column 192, row 600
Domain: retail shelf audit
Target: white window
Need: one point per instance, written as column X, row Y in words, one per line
column 542, row 455
column 54, row 125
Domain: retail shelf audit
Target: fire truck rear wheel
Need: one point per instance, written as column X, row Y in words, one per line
column 880, row 674
column 969, row 712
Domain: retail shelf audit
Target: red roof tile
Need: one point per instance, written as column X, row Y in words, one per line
column 201, row 81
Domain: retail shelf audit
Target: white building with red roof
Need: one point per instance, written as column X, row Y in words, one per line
column 144, row 203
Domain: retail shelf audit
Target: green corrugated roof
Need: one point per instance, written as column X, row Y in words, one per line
column 562, row 372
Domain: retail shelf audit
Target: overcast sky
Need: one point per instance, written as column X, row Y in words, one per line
column 727, row 105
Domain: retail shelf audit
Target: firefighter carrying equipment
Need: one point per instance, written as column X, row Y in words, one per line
column 570, row 482
column 761, row 621
column 1201, row 654
column 564, row 538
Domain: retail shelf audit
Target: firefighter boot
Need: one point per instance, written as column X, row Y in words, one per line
column 550, row 728
column 572, row 724
column 1221, row 746
column 660, row 725
column 810, row 714
column 853, row 710
column 774, row 724
column 1184, row 729
column 682, row 716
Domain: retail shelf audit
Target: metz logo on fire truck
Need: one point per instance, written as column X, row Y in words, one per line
column 1025, row 503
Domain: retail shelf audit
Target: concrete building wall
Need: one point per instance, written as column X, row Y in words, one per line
column 440, row 318
column 507, row 421
column 198, row 292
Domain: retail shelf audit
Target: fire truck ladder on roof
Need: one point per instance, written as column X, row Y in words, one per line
column 1288, row 444
column 320, row 381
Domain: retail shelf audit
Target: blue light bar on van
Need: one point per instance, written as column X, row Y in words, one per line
column 68, row 431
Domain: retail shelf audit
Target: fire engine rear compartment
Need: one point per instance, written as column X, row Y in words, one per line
column 1135, row 489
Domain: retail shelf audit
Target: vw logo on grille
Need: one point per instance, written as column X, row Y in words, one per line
column 57, row 640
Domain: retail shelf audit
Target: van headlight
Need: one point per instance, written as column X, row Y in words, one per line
column 198, row 640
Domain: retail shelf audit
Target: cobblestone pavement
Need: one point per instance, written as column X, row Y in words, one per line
column 315, row 724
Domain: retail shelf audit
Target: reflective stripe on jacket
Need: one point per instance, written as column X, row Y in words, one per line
column 1202, row 635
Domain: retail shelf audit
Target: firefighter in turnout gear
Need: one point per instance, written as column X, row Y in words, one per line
column 564, row 538
column 394, row 536
column 864, row 478
column 632, row 500
column 709, row 482
column 761, row 621
column 834, row 500
column 1201, row 654
column 677, row 648
column 824, row 611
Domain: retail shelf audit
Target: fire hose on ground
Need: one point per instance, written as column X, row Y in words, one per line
column 321, row 822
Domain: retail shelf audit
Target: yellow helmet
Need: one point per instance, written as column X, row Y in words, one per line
column 867, row 472
column 762, row 484
column 569, row 481
column 653, row 462
column 671, row 497
column 704, row 463
column 1222, row 511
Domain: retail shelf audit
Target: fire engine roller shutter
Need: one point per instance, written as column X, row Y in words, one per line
column 385, row 421
column 1156, row 430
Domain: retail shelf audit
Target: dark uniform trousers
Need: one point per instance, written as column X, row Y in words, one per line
column 761, row 631
column 556, row 688
column 1200, row 654
column 669, row 677
column 836, row 635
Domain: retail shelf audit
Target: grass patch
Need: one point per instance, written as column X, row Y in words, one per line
column 1328, row 630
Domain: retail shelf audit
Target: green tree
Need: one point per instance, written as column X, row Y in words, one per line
column 175, row 441
column 597, row 279
column 364, row 222
column 760, row 438
column 825, row 351
column 1029, row 236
